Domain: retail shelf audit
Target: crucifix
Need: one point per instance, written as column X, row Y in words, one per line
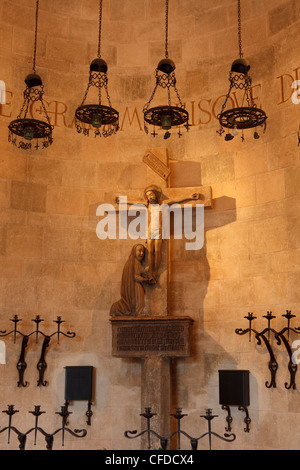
column 145, row 328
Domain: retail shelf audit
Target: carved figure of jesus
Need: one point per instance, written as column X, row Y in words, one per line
column 152, row 194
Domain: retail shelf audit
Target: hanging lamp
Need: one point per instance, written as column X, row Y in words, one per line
column 165, row 116
column 24, row 131
column 243, row 117
column 104, row 119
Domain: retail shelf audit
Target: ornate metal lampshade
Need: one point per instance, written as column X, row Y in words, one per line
column 242, row 117
column 24, row 131
column 104, row 119
column 165, row 116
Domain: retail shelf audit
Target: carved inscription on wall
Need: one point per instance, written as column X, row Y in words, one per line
column 138, row 337
column 151, row 338
column 201, row 110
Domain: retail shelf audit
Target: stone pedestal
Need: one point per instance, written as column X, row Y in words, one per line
column 156, row 394
column 155, row 340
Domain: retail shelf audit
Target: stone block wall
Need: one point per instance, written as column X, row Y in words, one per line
column 51, row 261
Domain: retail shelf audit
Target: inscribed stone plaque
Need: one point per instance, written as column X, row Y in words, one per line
column 156, row 165
column 144, row 336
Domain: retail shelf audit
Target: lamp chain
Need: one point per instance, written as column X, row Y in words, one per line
column 100, row 24
column 35, row 35
column 167, row 18
column 240, row 28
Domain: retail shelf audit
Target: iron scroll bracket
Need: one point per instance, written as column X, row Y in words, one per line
column 229, row 419
column 247, row 419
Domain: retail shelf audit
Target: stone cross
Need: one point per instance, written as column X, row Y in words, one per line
column 158, row 170
column 156, row 336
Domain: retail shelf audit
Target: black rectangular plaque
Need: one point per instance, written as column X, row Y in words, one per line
column 79, row 383
column 234, row 387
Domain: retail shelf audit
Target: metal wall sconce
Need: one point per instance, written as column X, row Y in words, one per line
column 49, row 437
column 242, row 117
column 104, row 119
column 234, row 391
column 41, row 365
column 79, row 386
column 165, row 116
column 178, row 416
column 280, row 337
column 26, row 128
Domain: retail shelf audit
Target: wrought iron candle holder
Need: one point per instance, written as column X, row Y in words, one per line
column 41, row 365
column 178, row 416
column 281, row 336
column 49, row 437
